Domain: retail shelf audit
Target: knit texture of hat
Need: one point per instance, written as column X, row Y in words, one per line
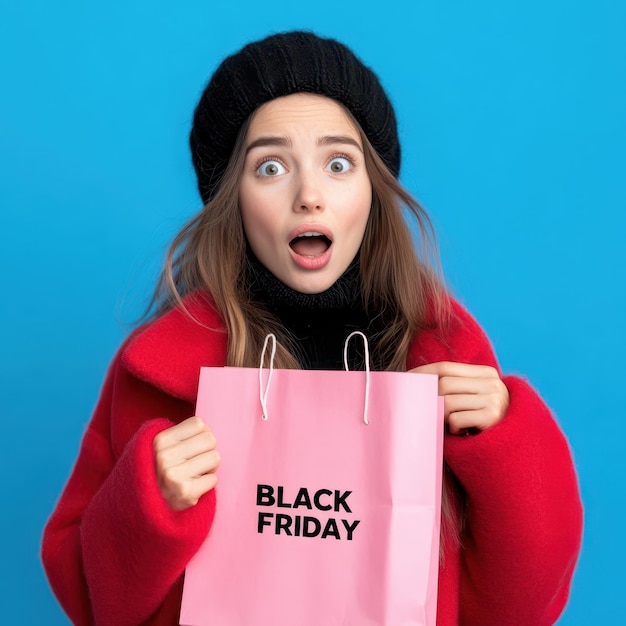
column 280, row 65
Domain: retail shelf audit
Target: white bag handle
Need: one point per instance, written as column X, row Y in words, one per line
column 271, row 337
column 262, row 395
column 367, row 368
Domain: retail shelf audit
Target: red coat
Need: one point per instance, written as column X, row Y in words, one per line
column 115, row 553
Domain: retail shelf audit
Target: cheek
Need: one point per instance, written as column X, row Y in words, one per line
column 261, row 205
column 254, row 213
column 361, row 203
column 256, row 225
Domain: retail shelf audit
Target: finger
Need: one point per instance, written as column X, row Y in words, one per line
column 461, row 403
column 460, row 421
column 451, row 368
column 489, row 408
column 464, row 385
column 184, row 450
column 176, row 479
column 429, row 368
column 191, row 492
column 186, row 429
column 202, row 464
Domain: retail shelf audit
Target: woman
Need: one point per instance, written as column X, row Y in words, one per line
column 296, row 151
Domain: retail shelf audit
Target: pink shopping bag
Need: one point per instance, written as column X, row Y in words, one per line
column 328, row 502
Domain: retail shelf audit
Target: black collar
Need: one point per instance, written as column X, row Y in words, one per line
column 315, row 325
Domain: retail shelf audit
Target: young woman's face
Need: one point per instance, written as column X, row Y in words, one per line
column 304, row 194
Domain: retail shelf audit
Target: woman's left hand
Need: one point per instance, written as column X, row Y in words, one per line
column 474, row 395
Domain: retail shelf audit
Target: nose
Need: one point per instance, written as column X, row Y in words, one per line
column 309, row 196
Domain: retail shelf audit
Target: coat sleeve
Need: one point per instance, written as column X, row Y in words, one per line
column 113, row 551
column 523, row 524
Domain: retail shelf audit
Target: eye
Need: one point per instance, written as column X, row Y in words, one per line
column 271, row 168
column 339, row 165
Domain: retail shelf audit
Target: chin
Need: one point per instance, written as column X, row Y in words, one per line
column 311, row 291
column 311, row 287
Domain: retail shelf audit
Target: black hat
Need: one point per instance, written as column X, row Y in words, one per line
column 280, row 65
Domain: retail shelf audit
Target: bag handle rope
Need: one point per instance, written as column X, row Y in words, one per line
column 367, row 369
column 263, row 393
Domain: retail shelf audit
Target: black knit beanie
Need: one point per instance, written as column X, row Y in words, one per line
column 280, row 65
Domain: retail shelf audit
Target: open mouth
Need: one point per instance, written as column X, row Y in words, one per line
column 310, row 244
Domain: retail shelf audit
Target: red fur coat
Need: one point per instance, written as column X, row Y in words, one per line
column 115, row 553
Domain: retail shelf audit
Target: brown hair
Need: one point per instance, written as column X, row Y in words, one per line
column 209, row 256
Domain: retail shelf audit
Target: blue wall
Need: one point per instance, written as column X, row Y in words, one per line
column 514, row 134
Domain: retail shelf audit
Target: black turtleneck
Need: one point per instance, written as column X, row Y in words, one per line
column 317, row 325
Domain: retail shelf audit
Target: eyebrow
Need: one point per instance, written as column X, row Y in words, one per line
column 269, row 141
column 326, row 140
column 330, row 140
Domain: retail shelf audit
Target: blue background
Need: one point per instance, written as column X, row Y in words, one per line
column 512, row 118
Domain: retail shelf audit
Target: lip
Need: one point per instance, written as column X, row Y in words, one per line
column 311, row 263
column 310, row 228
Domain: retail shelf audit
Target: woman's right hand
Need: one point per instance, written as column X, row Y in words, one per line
column 185, row 461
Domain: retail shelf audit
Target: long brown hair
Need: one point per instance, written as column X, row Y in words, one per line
column 399, row 280
column 209, row 255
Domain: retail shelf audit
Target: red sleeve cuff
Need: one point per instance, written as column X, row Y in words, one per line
column 134, row 546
